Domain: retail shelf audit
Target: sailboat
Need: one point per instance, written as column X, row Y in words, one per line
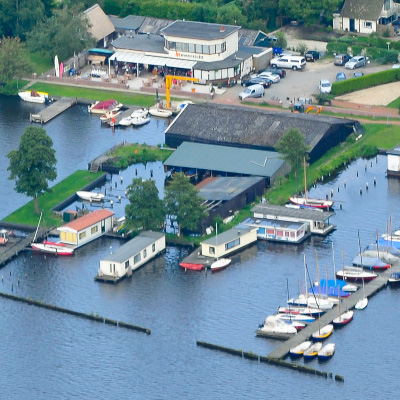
column 220, row 263
column 342, row 319
column 308, row 202
column 361, row 304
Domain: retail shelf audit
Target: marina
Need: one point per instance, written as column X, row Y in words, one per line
column 53, row 110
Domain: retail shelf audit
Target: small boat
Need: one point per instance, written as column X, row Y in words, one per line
column 141, row 112
column 109, row 115
column 337, row 284
column 307, row 202
column 328, row 291
column 327, row 351
column 299, row 350
column 295, row 317
column 370, row 263
column 314, row 312
column 343, row 319
column 394, row 278
column 323, row 333
column 350, row 288
column 361, row 304
column 312, row 351
column 275, row 328
column 127, row 121
column 355, row 274
column 101, row 107
column 192, row 266
column 139, row 121
column 57, row 249
column 160, row 112
column 33, row 96
column 90, row 196
column 312, row 302
column 219, row 264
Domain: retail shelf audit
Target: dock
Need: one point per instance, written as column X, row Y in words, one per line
column 124, row 114
column 348, row 303
column 53, row 110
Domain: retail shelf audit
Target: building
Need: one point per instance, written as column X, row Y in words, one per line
column 87, row 228
column 366, row 16
column 131, row 256
column 393, row 161
column 101, row 28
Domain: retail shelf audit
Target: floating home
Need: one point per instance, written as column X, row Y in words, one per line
column 87, row 228
column 393, row 162
column 131, row 256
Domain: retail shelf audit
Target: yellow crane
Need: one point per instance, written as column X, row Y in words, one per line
column 168, row 84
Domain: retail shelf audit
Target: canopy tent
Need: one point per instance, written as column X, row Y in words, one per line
column 94, row 59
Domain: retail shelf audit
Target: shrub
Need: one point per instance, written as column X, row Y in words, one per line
column 336, row 47
column 356, row 49
column 282, row 42
column 302, row 49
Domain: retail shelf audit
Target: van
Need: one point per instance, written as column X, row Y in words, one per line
column 252, row 91
column 289, row 61
column 341, row 59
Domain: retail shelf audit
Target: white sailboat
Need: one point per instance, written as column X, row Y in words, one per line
column 220, row 263
column 361, row 304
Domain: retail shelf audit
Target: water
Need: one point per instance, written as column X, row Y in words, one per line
column 50, row 355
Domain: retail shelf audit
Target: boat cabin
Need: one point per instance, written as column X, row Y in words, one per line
column 131, row 256
column 393, row 162
column 87, row 228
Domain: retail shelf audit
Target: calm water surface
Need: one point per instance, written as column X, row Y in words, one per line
column 50, row 355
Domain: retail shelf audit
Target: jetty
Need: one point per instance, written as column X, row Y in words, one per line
column 124, row 114
column 53, row 110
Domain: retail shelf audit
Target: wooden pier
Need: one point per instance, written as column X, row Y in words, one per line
column 53, row 110
column 348, row 303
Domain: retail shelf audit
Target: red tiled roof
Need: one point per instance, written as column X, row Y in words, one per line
column 205, row 182
column 88, row 220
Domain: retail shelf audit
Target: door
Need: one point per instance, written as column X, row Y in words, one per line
column 351, row 24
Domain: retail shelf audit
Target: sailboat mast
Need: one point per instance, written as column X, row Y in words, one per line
column 37, row 228
column 334, row 265
column 216, row 240
column 305, row 178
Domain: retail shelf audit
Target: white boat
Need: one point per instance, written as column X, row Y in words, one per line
column 312, row 351
column 312, row 302
column 55, row 248
column 90, row 196
column 343, row 319
column 327, row 351
column 127, row 121
column 275, row 328
column 295, row 317
column 220, row 264
column 101, row 107
column 301, row 310
column 160, row 112
column 139, row 121
column 323, row 332
column 141, row 112
column 355, row 274
column 300, row 349
column 361, row 304
column 350, row 288
column 109, row 115
column 33, row 96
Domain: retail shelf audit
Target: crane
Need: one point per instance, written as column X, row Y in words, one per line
column 168, row 83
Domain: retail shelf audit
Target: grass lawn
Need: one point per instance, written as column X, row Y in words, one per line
column 26, row 214
column 395, row 104
column 40, row 63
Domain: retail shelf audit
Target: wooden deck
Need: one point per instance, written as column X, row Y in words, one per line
column 53, row 110
column 348, row 303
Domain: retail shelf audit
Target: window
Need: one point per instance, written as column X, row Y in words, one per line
column 279, row 232
column 212, row 49
column 82, row 235
column 94, row 229
column 144, row 253
column 232, row 244
column 191, row 47
column 218, row 48
column 199, row 48
column 386, row 5
column 110, row 268
column 206, row 49
column 287, row 234
column 178, row 46
column 261, row 231
column 223, row 47
column 137, row 258
column 171, row 45
column 185, row 47
column 211, row 250
column 368, row 24
column 126, row 264
column 270, row 231
column 153, row 247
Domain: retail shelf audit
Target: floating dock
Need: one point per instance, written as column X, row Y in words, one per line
column 53, row 110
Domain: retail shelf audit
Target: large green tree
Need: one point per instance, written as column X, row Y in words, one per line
column 145, row 209
column 183, row 201
column 13, row 62
column 33, row 165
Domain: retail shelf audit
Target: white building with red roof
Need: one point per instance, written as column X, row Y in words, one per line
column 87, row 228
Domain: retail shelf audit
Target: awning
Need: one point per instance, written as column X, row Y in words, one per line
column 129, row 57
column 99, row 59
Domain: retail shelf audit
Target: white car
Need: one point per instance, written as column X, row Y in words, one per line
column 356, row 62
column 275, row 78
column 325, row 86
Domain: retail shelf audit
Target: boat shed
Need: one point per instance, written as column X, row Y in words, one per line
column 87, row 228
column 393, row 162
column 247, row 127
column 131, row 256
column 204, row 160
column 229, row 241
column 317, row 222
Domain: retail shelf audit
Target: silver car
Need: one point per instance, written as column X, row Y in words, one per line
column 356, row 62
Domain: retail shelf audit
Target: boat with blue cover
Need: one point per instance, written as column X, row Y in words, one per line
column 370, row 263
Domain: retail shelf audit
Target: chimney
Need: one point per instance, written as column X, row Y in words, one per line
column 222, row 28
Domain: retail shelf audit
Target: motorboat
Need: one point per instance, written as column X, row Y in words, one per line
column 33, row 96
column 192, row 266
column 141, row 112
column 127, row 121
column 90, row 196
column 327, row 351
column 101, row 107
column 276, row 328
column 160, row 112
column 394, row 278
column 323, row 333
column 299, row 350
column 312, row 351
column 220, row 264
column 109, row 115
column 374, row 263
column 139, row 121
column 355, row 274
column 57, row 249
column 343, row 319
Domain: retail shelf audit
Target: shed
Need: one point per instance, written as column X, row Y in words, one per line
column 87, row 228
column 393, row 162
column 101, row 28
column 131, row 256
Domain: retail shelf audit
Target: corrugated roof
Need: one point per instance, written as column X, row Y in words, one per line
column 230, row 62
column 228, row 236
column 199, row 30
column 149, row 43
column 86, row 221
column 134, row 246
column 225, row 159
column 282, row 211
column 131, row 22
column 154, row 25
column 362, row 9
column 101, row 26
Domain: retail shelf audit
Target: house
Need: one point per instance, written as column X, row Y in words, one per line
column 393, row 162
column 101, row 28
column 87, row 228
column 366, row 16
column 131, row 256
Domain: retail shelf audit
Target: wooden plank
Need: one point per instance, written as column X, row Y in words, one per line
column 53, row 110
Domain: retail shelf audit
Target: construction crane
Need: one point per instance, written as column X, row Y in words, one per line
column 168, row 84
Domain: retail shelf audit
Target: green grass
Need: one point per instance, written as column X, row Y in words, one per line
column 395, row 103
column 355, row 115
column 26, row 214
column 40, row 63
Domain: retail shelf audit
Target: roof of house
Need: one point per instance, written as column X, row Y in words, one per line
column 199, row 30
column 134, row 246
column 87, row 220
column 131, row 22
column 229, row 235
column 235, row 125
column 394, row 152
column 230, row 62
column 142, row 42
column 362, row 9
column 101, row 26
column 154, row 25
column 211, row 157
column 300, row 213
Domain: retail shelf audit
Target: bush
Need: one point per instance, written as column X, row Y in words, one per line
column 302, row 49
column 282, row 42
column 336, row 47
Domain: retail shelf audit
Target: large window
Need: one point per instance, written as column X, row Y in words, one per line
column 94, row 229
column 196, row 48
column 137, row 258
column 232, row 244
column 82, row 235
column 212, row 250
column 368, row 24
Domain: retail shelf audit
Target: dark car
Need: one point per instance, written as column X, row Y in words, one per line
column 279, row 71
column 256, row 80
column 341, row 59
column 312, row 55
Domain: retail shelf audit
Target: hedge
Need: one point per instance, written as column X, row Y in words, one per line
column 364, row 82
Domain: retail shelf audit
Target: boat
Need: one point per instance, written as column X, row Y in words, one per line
column 219, row 263
column 312, row 351
column 295, row 317
column 299, row 350
column 100, row 107
column 343, row 319
column 275, row 328
column 109, row 115
column 307, row 202
column 33, row 96
column 355, row 274
column 139, row 121
column 127, row 121
column 328, row 291
column 361, row 304
column 338, row 284
column 141, row 112
column 373, row 263
column 323, row 333
column 90, row 196
column 311, row 301
column 327, row 351
column 301, row 310
column 394, row 278
column 160, row 112
column 192, row 266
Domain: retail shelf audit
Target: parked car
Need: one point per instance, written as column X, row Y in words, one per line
column 358, row 74
column 356, row 62
column 289, row 61
column 340, row 76
column 312, row 55
column 252, row 91
column 275, row 78
column 341, row 59
column 325, row 86
column 281, row 72
column 257, row 80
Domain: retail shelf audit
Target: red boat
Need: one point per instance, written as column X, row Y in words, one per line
column 355, row 274
column 343, row 319
column 192, row 266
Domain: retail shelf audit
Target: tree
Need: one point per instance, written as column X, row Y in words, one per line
column 33, row 165
column 183, row 201
column 145, row 209
column 13, row 62
column 293, row 148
